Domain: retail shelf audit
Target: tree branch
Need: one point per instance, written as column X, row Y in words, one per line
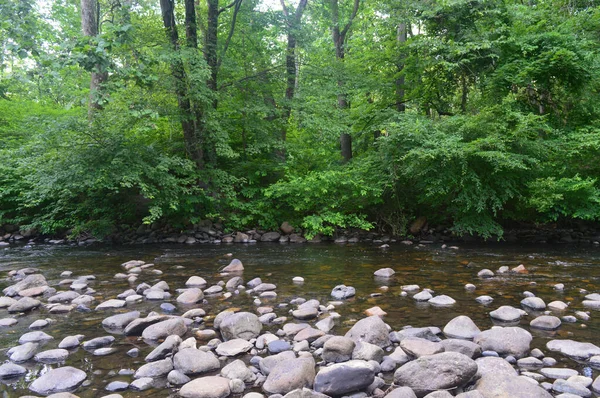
column 299, row 10
column 238, row 4
column 228, row 6
column 347, row 27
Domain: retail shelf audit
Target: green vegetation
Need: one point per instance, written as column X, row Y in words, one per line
column 323, row 113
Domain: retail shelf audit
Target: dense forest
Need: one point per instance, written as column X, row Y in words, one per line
column 324, row 113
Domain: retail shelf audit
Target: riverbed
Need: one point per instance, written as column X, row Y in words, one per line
column 323, row 266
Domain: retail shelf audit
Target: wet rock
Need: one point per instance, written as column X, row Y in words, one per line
column 69, row 342
column 558, row 373
column 520, row 269
column 177, row 378
column 216, row 289
column 341, row 292
column 196, row 281
column 591, row 304
column 142, row 384
column 493, row 365
column 424, row 333
column 154, row 369
column 194, row 313
column 371, row 330
column 264, row 287
column 23, row 352
column 56, row 380
column 443, row 371
column 277, row 346
column 234, row 266
column 375, row 311
column 6, row 302
column 565, row 386
column 243, row 325
column 160, row 330
column 505, row 341
column 325, row 324
column 85, row 299
column 439, row 394
column 574, row 349
column 384, row 273
column 9, row 370
column 117, row 386
column 545, row 322
column 401, row 392
column 464, row 347
column 309, row 334
column 238, row 370
column 343, row 378
column 233, row 283
column 461, row 327
column 190, row 296
column 498, row 385
column 269, row 363
column 418, row 347
column 557, row 306
column 530, row 363
column 338, row 349
column 233, row 347
column 305, row 313
column 101, row 352
column 167, row 348
column 30, row 281
column 24, row 304
column 191, row 361
column 63, row 297
column 367, row 352
column 484, row 299
column 52, row 356
column 289, row 375
column 423, row 296
column 34, row 337
column 136, row 327
column 506, row 313
column 39, row 324
column 270, row 237
column 534, row 303
column 206, row 387
column 8, row 322
column 485, row 273
column 98, row 342
column 111, row 304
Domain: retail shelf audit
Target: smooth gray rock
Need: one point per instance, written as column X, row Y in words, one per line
column 8, row 322
column 161, row 330
column 30, row 281
column 461, row 327
column 558, row 373
column 192, row 295
column 9, row 370
column 63, row 297
column 418, row 347
column 196, row 281
column 120, row 321
column 534, row 303
column 52, row 356
column 191, row 361
column 271, row 362
column 338, row 349
column 233, row 347
column 136, row 327
column 238, row 370
column 506, row 313
column 69, row 342
column 442, row 301
column 24, row 304
column 504, row 386
column 98, row 342
column 23, row 352
column 574, row 349
column 111, row 304
column 56, row 380
column 166, row 348
column 401, row 392
column 289, row 375
column 34, row 337
column 444, row 371
column 505, row 341
column 371, row 330
column 367, row 352
column 341, row 292
column 142, row 384
column 464, row 347
column 154, row 369
column 545, row 322
column 565, row 386
column 494, row 365
column 177, row 378
column 242, row 325
column 342, row 378
column 384, row 273
column 206, row 387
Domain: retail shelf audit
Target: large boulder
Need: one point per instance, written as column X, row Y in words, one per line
column 493, row 365
column 342, row 378
column 505, row 341
column 191, row 361
column 461, row 327
column 504, row 386
column 574, row 349
column 30, row 281
column 444, row 371
column 164, row 329
column 289, row 375
column 241, row 325
column 338, row 349
column 372, row 330
column 206, row 387
column 25, row 304
column 58, row 380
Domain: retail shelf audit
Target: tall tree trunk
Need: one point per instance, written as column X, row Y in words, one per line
column 400, row 102
column 192, row 147
column 210, row 43
column 465, row 92
column 339, row 40
column 90, row 17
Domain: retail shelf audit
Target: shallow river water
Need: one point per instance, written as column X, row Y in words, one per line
column 323, row 266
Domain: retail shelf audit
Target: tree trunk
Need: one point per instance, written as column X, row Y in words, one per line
column 400, row 102
column 210, row 43
column 90, row 15
column 192, row 147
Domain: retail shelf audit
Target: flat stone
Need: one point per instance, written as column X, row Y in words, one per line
column 309, row 334
column 464, row 347
column 492, row 385
column 305, row 313
column 233, row 347
column 111, row 304
column 9, row 370
column 423, row 296
column 558, row 373
column 34, row 337
column 57, row 380
column 52, row 356
column 271, row 362
column 206, row 387
column 142, row 384
column 494, row 365
column 418, row 347
column 557, row 306
column 161, row 330
column 565, row 386
column 191, row 361
column 155, row 369
column 534, row 303
column 342, row 378
column 442, row 301
column 8, row 322
column 69, row 342
column 289, row 375
column 24, row 304
column 120, row 321
column 98, row 342
column 545, row 322
column 191, row 296
column 574, row 349
column 64, row 297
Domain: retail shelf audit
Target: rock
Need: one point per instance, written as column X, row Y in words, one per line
column 269, row 363
column 506, row 313
column 545, row 322
column 401, row 392
column 289, row 375
column 234, row 266
column 233, row 347
column 342, row 378
column 558, row 306
column 136, row 327
column 117, row 386
column 341, row 292
column 418, row 347
column 69, row 342
column 566, row 386
column 384, row 273
column 86, row 300
column 142, row 384
column 371, row 330
column 286, row 228
column 574, row 349
column 298, row 279
column 417, row 225
column 494, row 365
column 63, row 297
column 375, row 311
column 110, row 304
column 166, row 328
column 9, row 370
column 24, row 304
column 190, row 296
column 325, row 324
column 196, row 281
column 485, row 273
column 23, row 352
column 464, row 347
column 270, row 237
column 98, row 342
column 505, row 341
column 39, row 324
column 29, row 282
column 233, row 283
column 423, row 296
column 167, row 348
column 367, row 352
column 177, row 378
column 243, row 325
column 484, row 299
column 277, row 346
column 530, row 363
column 238, row 370
column 305, row 313
column 154, row 369
column 338, row 349
column 264, row 287
column 8, row 322
column 424, row 333
column 309, row 334
column 558, row 373
column 503, row 386
column 56, row 380
column 34, row 337
column 120, row 321
column 191, row 361
column 461, row 327
column 206, row 387
column 298, row 393
column 216, row 289
column 52, row 356
column 534, row 303
column 520, row 269
column 6, row 302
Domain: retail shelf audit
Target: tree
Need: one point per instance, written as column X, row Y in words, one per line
column 90, row 24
